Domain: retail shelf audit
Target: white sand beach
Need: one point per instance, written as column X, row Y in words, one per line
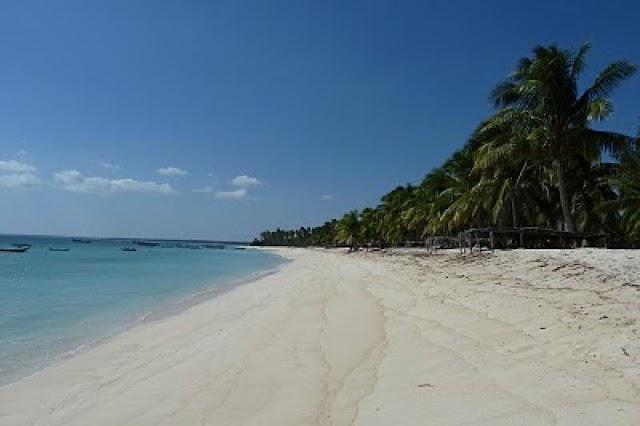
column 510, row 338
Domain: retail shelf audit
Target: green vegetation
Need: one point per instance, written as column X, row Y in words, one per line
column 536, row 162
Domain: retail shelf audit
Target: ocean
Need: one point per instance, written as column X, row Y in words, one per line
column 54, row 303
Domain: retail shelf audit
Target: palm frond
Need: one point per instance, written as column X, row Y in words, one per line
column 498, row 204
column 578, row 64
column 611, row 142
column 491, row 155
column 609, row 79
column 600, row 109
column 503, row 94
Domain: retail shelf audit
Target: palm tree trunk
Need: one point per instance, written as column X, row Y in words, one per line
column 514, row 214
column 564, row 197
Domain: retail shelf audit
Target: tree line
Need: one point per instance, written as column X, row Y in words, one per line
column 538, row 161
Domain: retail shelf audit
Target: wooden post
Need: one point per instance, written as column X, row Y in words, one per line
column 491, row 239
column 463, row 241
column 464, row 238
column 474, row 240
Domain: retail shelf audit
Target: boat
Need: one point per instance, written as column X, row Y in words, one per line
column 14, row 249
column 129, row 249
column 214, row 246
column 147, row 243
column 80, row 240
column 58, row 248
column 241, row 248
column 21, row 244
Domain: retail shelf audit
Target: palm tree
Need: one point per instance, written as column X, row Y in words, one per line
column 370, row 226
column 419, row 211
column 455, row 207
column 349, row 229
column 541, row 97
column 626, row 180
column 392, row 225
column 513, row 179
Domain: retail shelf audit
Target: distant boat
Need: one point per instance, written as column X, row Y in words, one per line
column 80, row 240
column 214, row 246
column 147, row 243
column 240, row 248
column 14, row 249
column 58, row 248
column 129, row 249
column 21, row 244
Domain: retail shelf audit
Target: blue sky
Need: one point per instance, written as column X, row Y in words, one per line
column 215, row 119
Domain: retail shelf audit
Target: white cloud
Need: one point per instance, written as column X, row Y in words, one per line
column 109, row 166
column 131, row 185
column 327, row 197
column 17, row 175
column 68, row 177
column 241, row 181
column 74, row 181
column 19, row 181
column 171, row 171
column 238, row 194
column 13, row 166
column 244, row 181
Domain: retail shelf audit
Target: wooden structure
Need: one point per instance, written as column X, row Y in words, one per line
column 505, row 238
column 435, row 243
column 479, row 239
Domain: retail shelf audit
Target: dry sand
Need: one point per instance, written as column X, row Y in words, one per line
column 511, row 338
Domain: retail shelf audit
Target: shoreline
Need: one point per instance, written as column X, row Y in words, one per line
column 178, row 306
column 170, row 307
column 514, row 337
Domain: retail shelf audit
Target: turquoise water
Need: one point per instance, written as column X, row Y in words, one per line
column 56, row 302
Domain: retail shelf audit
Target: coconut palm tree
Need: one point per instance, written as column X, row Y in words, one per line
column 391, row 209
column 455, row 206
column 513, row 178
column 542, row 99
column 626, row 181
column 349, row 229
column 370, row 226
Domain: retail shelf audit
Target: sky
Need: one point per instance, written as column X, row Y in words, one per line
column 220, row 119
